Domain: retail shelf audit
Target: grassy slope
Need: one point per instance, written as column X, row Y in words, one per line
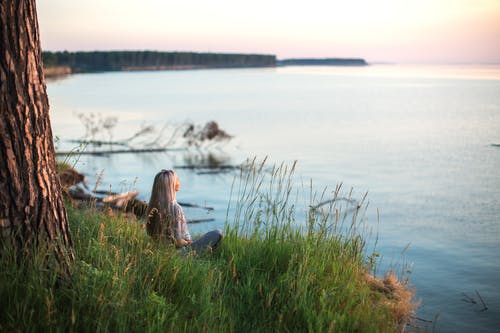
column 274, row 278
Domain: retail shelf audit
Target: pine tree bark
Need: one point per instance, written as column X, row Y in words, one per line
column 32, row 210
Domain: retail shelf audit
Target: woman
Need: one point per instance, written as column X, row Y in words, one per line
column 166, row 219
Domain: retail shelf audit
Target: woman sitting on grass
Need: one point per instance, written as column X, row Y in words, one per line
column 166, row 219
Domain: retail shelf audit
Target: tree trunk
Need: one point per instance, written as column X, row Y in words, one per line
column 31, row 206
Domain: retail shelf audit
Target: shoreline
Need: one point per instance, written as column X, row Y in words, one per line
column 61, row 71
column 64, row 63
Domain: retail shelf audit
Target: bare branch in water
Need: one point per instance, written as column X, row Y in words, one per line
column 196, row 136
column 482, row 301
column 468, row 299
column 147, row 139
column 422, row 319
column 471, row 300
column 119, row 151
column 331, row 201
column 200, row 220
column 99, row 142
column 141, row 132
column 185, row 204
column 193, row 167
column 175, row 134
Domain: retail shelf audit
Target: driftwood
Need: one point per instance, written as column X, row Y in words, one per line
column 185, row 204
column 468, row 299
column 98, row 143
column 208, row 163
column 200, row 220
column 209, row 169
column 482, row 301
column 125, row 202
column 471, row 300
column 331, row 201
column 195, row 135
column 197, row 167
column 422, row 319
column 192, row 135
column 139, row 207
column 117, row 151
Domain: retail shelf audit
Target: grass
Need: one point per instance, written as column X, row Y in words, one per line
column 273, row 272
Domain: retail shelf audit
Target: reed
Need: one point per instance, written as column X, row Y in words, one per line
column 279, row 268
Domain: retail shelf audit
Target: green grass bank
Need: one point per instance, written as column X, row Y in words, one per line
column 268, row 275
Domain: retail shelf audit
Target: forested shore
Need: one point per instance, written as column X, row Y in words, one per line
column 323, row 62
column 100, row 61
column 64, row 62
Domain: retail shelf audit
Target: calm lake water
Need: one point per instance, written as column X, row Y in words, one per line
column 419, row 140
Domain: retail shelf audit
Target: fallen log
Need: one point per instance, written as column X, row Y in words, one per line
column 125, row 202
column 99, row 143
column 139, row 207
column 118, row 151
column 200, row 220
column 185, row 204
column 201, row 166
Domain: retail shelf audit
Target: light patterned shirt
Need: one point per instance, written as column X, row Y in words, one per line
column 179, row 226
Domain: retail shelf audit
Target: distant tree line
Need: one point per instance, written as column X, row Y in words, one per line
column 323, row 62
column 129, row 60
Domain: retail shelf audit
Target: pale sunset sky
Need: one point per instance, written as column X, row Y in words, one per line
column 402, row 31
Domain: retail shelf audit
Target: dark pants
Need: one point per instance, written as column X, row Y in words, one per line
column 208, row 241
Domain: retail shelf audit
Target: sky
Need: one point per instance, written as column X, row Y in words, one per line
column 400, row 31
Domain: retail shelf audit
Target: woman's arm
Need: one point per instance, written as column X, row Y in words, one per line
column 181, row 242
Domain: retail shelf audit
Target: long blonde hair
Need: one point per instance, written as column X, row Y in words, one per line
column 163, row 200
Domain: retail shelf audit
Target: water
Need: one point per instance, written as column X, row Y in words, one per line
column 418, row 139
